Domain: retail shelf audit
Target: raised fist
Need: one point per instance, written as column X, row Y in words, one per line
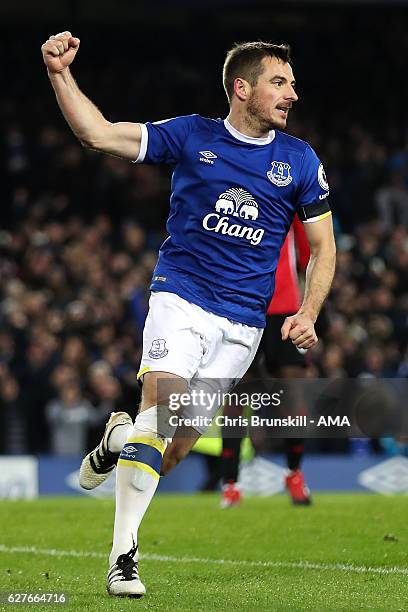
column 59, row 51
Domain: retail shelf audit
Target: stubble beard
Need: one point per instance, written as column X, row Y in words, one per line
column 257, row 118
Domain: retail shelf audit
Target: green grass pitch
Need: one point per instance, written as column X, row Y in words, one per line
column 346, row 552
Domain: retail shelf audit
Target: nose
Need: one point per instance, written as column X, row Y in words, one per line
column 292, row 95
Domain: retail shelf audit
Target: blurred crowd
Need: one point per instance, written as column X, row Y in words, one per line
column 78, row 243
column 72, row 312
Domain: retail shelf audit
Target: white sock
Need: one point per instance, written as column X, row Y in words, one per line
column 118, row 437
column 137, row 477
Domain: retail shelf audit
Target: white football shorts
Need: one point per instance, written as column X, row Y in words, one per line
column 207, row 350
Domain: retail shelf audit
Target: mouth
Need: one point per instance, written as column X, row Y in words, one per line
column 283, row 110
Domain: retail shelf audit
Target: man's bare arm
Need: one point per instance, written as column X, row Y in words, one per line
column 319, row 276
column 86, row 121
column 321, row 266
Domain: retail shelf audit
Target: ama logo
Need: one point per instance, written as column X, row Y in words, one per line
column 239, row 203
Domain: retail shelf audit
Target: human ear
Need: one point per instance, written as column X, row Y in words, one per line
column 241, row 89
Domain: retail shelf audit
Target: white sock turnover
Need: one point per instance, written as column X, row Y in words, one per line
column 118, row 437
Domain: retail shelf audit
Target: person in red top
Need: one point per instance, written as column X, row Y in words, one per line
column 281, row 360
column 294, row 257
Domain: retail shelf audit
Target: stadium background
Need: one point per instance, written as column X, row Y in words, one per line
column 80, row 232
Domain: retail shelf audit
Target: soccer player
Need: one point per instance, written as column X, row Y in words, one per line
column 282, row 360
column 236, row 186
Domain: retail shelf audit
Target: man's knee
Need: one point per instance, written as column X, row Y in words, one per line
column 158, row 386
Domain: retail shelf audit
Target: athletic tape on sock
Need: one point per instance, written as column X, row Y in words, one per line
column 144, row 448
column 144, row 455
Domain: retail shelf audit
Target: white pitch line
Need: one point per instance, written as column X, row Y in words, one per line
column 304, row 565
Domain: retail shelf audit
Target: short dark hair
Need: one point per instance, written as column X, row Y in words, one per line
column 244, row 60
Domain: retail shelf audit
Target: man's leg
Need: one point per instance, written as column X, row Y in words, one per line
column 198, row 346
column 295, row 480
column 99, row 463
column 231, row 450
column 183, row 442
column 181, row 445
column 295, row 447
column 137, row 477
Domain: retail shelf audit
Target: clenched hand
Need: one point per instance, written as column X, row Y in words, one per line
column 59, row 51
column 300, row 329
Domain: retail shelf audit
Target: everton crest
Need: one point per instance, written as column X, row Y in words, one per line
column 279, row 174
column 158, row 349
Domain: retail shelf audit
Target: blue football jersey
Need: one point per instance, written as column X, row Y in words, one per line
column 233, row 199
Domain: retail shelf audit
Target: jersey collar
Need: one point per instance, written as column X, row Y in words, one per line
column 249, row 139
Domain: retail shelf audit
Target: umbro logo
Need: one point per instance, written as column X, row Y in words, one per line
column 207, row 157
column 208, row 154
column 130, row 450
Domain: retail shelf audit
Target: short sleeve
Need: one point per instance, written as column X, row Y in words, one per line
column 313, row 190
column 163, row 141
